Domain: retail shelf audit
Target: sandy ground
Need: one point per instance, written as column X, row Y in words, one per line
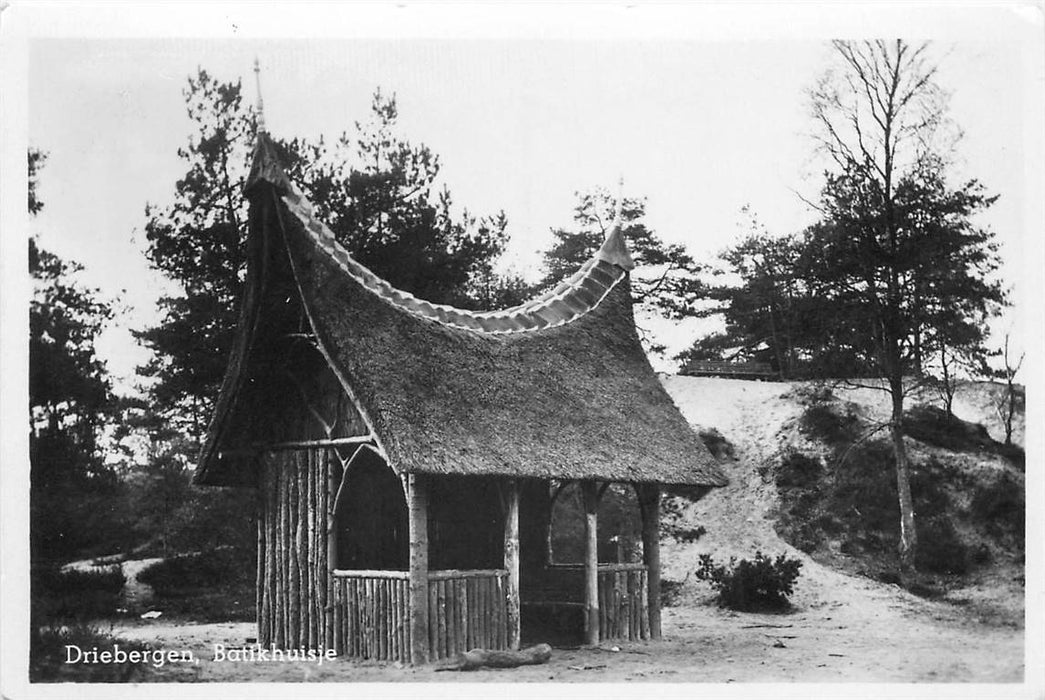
column 841, row 629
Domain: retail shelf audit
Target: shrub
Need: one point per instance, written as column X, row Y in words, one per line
column 940, row 549
column 717, row 445
column 688, row 535
column 822, row 421
column 670, row 592
column 211, row 569
column 748, row 585
column 1000, row 506
column 933, row 426
column 213, row 586
column 798, row 470
column 76, row 594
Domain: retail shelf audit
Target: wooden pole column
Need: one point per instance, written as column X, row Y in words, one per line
column 511, row 562
column 589, row 489
column 417, row 492
column 649, row 502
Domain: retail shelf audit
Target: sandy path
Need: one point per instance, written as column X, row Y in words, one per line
column 704, row 645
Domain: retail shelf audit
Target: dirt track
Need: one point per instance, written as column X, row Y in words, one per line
column 705, row 645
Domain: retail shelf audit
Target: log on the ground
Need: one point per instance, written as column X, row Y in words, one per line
column 479, row 658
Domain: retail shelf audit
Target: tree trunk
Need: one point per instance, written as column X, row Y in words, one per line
column 908, row 535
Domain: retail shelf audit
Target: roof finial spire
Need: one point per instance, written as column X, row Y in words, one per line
column 261, row 103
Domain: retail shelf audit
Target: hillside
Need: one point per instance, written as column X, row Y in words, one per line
column 798, row 485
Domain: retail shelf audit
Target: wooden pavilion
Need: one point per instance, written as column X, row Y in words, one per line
column 407, row 455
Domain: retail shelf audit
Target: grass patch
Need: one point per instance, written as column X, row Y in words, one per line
column 48, row 655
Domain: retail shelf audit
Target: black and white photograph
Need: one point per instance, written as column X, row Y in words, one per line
column 684, row 348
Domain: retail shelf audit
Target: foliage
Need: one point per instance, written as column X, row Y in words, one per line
column 934, row 426
column 687, row 535
column 70, row 399
column 206, row 569
column 665, row 279
column 670, row 592
column 762, row 583
column 37, row 159
column 999, row 505
column 850, row 504
column 75, row 594
column 942, row 550
column 47, row 656
column 376, row 191
column 901, row 271
column 717, row 444
column 821, row 421
column 1015, row 398
column 798, row 470
column 215, row 585
column 620, row 524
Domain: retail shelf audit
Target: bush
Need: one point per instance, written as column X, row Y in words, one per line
column 688, row 535
column 75, row 594
column 214, row 586
column 670, row 592
column 798, row 470
column 750, row 585
column 212, row 569
column 822, row 421
column 999, row 506
column 933, row 426
column 940, row 549
column 717, row 445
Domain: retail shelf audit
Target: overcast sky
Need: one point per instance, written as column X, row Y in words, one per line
column 700, row 112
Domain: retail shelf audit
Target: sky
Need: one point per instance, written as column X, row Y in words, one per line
column 701, row 112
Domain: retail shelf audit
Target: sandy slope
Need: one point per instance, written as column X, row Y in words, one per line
column 843, row 628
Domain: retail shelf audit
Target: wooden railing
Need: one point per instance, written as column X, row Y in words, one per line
column 623, row 602
column 371, row 614
column 623, row 596
column 466, row 610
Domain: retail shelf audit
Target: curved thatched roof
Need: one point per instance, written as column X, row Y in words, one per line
column 558, row 387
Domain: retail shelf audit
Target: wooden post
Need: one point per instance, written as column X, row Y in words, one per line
column 649, row 502
column 418, row 508
column 259, row 586
column 330, row 555
column 589, row 489
column 511, row 562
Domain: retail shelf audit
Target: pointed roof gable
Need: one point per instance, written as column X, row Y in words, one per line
column 557, row 387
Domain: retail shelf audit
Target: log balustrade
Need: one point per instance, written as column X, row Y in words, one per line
column 466, row 610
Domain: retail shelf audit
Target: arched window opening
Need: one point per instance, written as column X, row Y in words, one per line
column 371, row 515
column 619, row 525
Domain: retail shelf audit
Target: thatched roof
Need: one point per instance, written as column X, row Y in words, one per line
column 558, row 387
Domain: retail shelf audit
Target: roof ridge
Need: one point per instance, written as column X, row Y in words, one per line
column 567, row 302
